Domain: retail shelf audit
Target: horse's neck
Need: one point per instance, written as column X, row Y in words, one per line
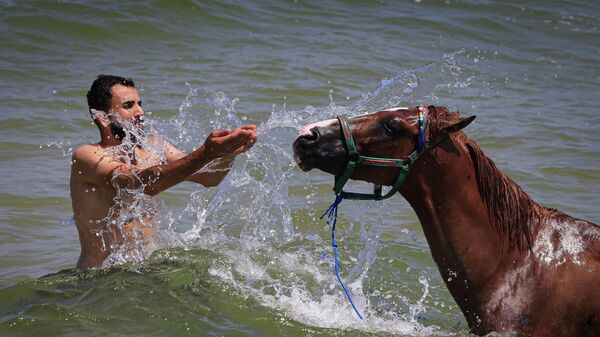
column 442, row 189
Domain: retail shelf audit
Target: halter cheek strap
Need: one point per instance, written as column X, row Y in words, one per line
column 355, row 159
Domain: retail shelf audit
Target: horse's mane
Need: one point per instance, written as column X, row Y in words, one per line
column 511, row 211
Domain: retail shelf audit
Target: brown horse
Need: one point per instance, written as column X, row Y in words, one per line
column 510, row 264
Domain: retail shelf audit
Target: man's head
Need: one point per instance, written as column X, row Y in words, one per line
column 113, row 101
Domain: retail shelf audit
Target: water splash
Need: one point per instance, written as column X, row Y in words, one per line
column 249, row 217
column 63, row 145
column 249, row 220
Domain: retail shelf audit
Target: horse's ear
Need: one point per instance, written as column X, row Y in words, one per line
column 457, row 126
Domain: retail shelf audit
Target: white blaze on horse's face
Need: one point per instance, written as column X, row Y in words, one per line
column 395, row 109
column 329, row 122
column 306, row 130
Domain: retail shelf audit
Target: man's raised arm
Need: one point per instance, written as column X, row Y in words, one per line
column 213, row 173
column 100, row 170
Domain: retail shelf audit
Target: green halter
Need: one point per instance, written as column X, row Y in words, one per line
column 356, row 159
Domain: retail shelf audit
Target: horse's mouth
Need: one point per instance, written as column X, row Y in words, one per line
column 301, row 157
column 303, row 164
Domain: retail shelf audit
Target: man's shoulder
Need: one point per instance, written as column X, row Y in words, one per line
column 92, row 162
column 91, row 155
column 87, row 151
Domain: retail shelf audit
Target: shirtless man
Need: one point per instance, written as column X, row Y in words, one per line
column 101, row 172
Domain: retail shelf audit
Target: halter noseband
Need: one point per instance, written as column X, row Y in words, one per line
column 356, row 159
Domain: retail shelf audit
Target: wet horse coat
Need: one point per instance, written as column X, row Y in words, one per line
column 510, row 264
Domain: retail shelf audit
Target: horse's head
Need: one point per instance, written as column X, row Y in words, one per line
column 390, row 133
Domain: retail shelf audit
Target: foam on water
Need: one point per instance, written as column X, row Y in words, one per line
column 326, row 307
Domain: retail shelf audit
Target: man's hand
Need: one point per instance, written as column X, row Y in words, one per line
column 251, row 140
column 227, row 143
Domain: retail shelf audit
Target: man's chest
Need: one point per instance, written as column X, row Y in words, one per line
column 143, row 159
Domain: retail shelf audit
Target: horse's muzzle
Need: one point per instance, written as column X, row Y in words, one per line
column 306, row 149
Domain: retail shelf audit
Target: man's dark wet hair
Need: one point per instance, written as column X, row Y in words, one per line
column 99, row 95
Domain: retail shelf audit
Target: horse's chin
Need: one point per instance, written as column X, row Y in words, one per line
column 307, row 164
column 303, row 164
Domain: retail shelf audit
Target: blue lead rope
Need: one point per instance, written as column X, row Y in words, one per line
column 331, row 214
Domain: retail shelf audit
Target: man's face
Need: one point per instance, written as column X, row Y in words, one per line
column 126, row 103
column 125, row 111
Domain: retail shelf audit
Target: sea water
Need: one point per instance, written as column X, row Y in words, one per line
column 250, row 257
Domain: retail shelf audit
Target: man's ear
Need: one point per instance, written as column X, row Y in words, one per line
column 100, row 116
column 457, row 126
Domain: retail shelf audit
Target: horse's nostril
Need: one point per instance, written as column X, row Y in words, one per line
column 314, row 134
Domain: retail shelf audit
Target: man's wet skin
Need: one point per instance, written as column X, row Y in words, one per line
column 103, row 173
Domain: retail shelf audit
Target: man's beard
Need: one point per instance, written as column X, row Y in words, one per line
column 119, row 132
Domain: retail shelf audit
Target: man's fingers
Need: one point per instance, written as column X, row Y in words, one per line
column 250, row 142
column 227, row 142
column 234, row 133
column 248, row 127
column 245, row 147
column 233, row 143
column 232, row 137
column 220, row 133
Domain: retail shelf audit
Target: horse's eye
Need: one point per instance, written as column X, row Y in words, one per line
column 388, row 128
